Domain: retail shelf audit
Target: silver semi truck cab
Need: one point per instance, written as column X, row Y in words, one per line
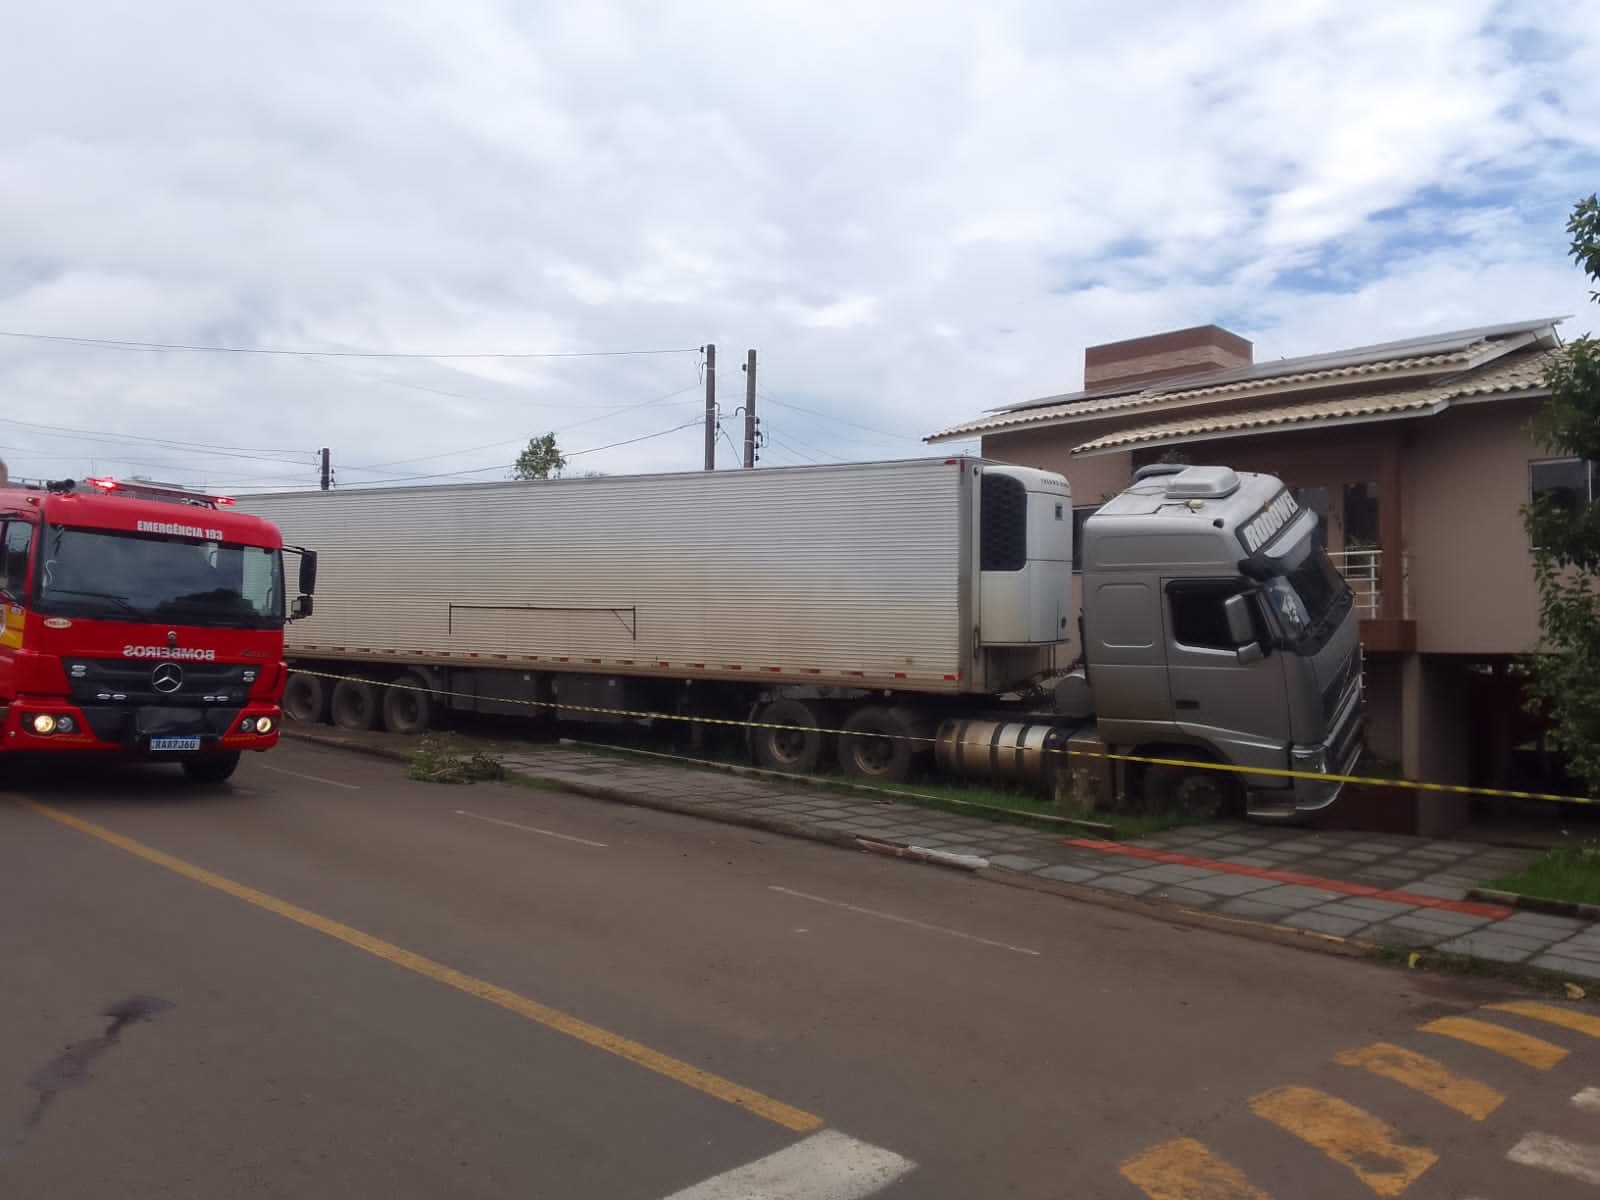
column 1215, row 627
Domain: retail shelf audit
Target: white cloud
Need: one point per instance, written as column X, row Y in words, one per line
column 914, row 212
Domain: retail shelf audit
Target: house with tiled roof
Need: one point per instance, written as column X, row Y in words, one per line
column 1417, row 457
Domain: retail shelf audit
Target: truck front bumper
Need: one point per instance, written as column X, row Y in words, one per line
column 54, row 725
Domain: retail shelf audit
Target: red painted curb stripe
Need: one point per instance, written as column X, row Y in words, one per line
column 1469, row 907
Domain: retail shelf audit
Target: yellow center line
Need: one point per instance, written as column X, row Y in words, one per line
column 1373, row 1149
column 591, row 1035
column 1554, row 1014
column 1183, row 1169
column 1535, row 1052
column 1426, row 1075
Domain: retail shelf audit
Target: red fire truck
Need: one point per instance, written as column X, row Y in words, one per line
column 143, row 621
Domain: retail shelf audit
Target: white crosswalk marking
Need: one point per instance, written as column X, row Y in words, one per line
column 1558, row 1155
column 826, row 1166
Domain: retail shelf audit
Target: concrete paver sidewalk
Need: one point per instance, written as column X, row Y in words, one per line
column 1375, row 889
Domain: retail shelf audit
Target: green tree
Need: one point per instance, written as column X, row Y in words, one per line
column 1565, row 533
column 540, row 460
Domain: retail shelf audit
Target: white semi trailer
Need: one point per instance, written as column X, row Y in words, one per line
column 918, row 607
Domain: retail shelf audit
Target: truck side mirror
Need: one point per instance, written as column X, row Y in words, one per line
column 301, row 608
column 1242, row 629
column 308, row 573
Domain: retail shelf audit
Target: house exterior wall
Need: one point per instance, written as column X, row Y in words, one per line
column 1472, row 585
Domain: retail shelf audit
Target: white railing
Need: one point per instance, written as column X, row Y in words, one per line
column 1360, row 571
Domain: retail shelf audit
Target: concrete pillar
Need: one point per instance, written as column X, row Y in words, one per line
column 1434, row 738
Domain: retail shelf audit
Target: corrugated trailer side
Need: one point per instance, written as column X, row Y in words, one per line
column 856, row 575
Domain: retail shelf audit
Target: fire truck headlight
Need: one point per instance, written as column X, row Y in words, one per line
column 44, row 724
column 248, row 725
column 66, row 725
column 263, row 724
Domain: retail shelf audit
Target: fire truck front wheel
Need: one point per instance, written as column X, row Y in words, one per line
column 211, row 768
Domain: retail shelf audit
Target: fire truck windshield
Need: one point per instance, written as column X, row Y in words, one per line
column 135, row 577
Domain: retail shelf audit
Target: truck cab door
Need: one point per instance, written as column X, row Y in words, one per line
column 16, row 539
column 1227, row 687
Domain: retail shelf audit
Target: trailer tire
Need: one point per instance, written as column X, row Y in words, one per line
column 408, row 705
column 799, row 747
column 305, row 698
column 211, row 768
column 1192, row 792
column 355, row 705
column 876, row 745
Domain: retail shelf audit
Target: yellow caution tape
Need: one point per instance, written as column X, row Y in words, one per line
column 1146, row 760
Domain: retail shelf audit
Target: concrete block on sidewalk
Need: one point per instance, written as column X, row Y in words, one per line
column 1253, row 909
column 1499, row 949
column 1018, row 862
column 1067, row 874
column 1231, row 885
column 1128, row 887
column 1169, row 873
column 1320, row 921
column 1568, row 966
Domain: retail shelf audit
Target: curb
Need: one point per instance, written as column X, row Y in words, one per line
column 1539, row 904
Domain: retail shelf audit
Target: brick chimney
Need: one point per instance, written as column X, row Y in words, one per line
column 1164, row 356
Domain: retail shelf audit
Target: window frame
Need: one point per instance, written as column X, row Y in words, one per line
column 1222, row 587
column 1567, row 460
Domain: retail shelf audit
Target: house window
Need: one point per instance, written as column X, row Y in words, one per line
column 1568, row 482
column 1079, row 515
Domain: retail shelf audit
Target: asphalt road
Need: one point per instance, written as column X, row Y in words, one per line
column 327, row 980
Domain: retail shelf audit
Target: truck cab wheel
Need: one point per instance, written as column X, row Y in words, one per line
column 305, row 698
column 789, row 737
column 876, row 745
column 211, row 768
column 1193, row 792
column 407, row 706
column 355, row 704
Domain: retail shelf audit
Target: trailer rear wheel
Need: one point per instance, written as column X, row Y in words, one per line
column 407, row 706
column 211, row 768
column 789, row 738
column 305, row 698
column 355, row 704
column 876, row 745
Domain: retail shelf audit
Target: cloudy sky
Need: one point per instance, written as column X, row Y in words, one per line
column 914, row 211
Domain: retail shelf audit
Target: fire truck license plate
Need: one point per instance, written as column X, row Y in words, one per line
column 175, row 743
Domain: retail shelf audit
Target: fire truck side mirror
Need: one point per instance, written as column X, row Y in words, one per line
column 308, row 572
column 300, row 609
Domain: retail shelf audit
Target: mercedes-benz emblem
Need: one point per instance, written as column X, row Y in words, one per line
column 168, row 677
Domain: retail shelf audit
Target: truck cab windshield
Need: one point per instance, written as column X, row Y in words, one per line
column 1308, row 598
column 135, row 577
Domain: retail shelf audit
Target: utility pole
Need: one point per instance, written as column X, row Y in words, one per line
column 711, row 408
column 750, row 410
column 327, row 470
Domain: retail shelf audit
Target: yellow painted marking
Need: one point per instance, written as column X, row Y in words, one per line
column 1535, row 1052
column 1553, row 1013
column 1371, row 1148
column 1426, row 1075
column 1183, row 1169
column 591, row 1035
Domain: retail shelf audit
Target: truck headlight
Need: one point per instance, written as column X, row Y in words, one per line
column 264, row 724
column 66, row 725
column 44, row 724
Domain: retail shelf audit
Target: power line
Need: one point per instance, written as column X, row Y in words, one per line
column 118, row 344
column 501, row 466
column 103, row 436
column 898, row 437
column 517, row 440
